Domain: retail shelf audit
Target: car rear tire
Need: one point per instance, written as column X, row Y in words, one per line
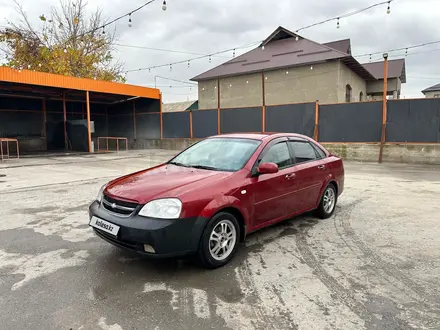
column 328, row 201
column 219, row 240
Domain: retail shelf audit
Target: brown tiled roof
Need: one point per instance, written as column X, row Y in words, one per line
column 341, row 45
column 396, row 69
column 434, row 88
column 281, row 50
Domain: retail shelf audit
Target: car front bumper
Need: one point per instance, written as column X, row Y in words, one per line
column 168, row 238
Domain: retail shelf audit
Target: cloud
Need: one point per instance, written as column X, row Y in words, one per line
column 209, row 26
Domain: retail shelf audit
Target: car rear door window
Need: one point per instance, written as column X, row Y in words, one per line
column 321, row 154
column 278, row 154
column 303, row 151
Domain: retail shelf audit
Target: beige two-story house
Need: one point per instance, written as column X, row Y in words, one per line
column 287, row 68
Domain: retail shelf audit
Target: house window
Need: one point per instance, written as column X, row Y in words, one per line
column 348, row 93
column 436, row 95
column 361, row 97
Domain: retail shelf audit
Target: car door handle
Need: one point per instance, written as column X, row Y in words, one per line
column 321, row 167
column 290, row 176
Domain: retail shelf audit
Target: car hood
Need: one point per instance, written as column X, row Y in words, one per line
column 161, row 182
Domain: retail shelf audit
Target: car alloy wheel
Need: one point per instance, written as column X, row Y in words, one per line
column 219, row 240
column 329, row 200
column 222, row 240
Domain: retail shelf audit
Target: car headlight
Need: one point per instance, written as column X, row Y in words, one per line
column 166, row 208
column 100, row 194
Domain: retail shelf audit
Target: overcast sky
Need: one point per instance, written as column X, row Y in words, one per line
column 207, row 26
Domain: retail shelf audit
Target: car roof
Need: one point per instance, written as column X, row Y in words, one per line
column 257, row 136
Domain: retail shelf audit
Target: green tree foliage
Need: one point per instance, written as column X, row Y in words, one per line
column 70, row 42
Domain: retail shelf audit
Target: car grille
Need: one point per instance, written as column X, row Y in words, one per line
column 117, row 241
column 118, row 207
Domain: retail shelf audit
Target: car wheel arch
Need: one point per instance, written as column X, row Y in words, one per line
column 233, row 209
column 335, row 184
column 330, row 180
column 240, row 218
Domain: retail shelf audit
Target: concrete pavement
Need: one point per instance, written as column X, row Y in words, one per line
column 373, row 265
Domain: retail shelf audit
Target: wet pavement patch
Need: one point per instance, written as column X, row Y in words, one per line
column 388, row 315
column 27, row 241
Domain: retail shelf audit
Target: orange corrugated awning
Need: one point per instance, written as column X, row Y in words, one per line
column 73, row 83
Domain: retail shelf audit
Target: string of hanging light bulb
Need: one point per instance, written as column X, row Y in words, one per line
column 170, row 65
column 103, row 26
column 164, row 8
column 209, row 56
column 355, row 12
column 399, row 49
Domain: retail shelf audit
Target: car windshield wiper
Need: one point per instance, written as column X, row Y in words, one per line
column 204, row 167
column 178, row 164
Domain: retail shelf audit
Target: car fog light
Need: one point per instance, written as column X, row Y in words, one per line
column 149, row 248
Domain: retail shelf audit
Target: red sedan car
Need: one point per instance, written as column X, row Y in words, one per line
column 206, row 199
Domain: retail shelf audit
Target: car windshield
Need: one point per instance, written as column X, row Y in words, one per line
column 220, row 154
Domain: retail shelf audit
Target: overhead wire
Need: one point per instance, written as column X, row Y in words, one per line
column 427, row 78
column 177, row 80
column 167, row 50
column 169, row 86
column 178, row 94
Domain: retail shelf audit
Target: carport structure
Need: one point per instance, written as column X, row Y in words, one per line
column 48, row 112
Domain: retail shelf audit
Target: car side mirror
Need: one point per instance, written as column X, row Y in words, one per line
column 267, row 168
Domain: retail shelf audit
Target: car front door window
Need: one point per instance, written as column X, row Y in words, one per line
column 278, row 154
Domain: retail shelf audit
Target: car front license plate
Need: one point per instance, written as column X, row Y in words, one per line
column 104, row 226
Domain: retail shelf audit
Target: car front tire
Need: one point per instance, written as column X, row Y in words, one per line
column 328, row 201
column 219, row 240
